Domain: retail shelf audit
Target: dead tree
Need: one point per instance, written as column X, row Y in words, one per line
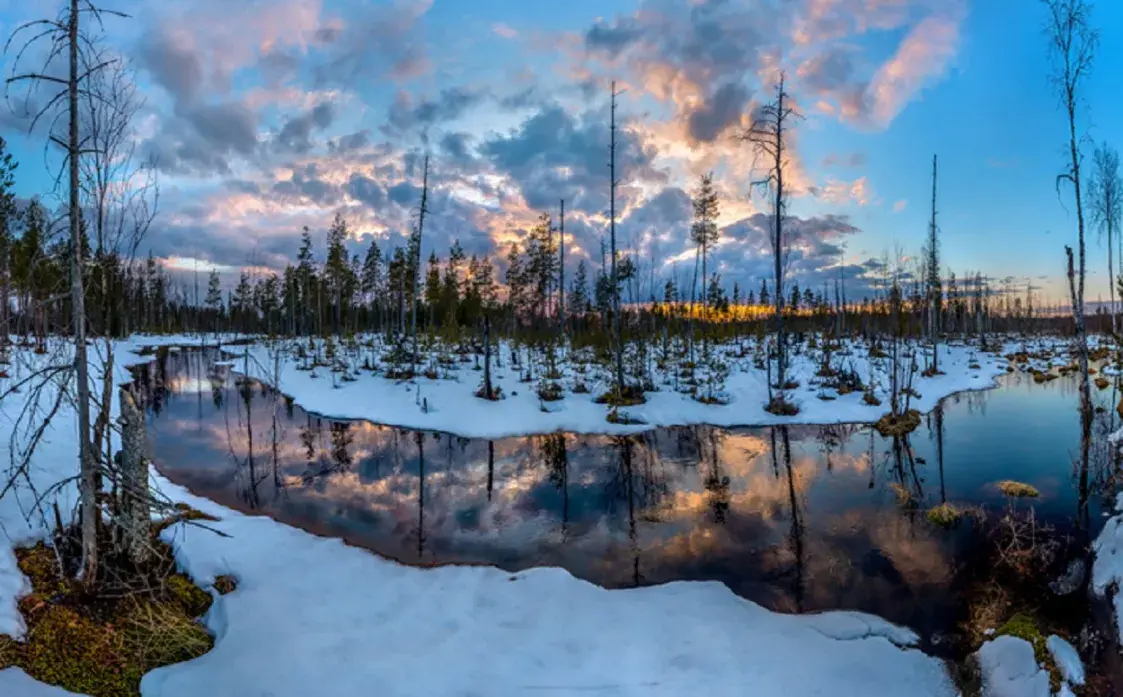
column 767, row 134
column 614, row 277
column 934, row 290
column 70, row 44
column 1073, row 45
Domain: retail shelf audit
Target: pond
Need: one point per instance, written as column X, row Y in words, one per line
column 796, row 518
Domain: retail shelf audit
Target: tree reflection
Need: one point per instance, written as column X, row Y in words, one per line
column 796, row 531
column 557, row 463
column 716, row 483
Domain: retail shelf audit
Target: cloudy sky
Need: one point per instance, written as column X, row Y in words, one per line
column 268, row 115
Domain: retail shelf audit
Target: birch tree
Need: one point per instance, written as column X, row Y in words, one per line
column 1107, row 208
column 1072, row 42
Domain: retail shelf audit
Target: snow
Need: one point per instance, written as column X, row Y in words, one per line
column 1010, row 670
column 1067, row 659
column 449, row 404
column 1107, row 569
column 312, row 615
column 16, row 683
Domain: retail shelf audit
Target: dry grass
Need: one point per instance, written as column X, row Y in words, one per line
column 781, row 407
column 1102, row 383
column 945, row 515
column 899, row 425
column 1017, row 490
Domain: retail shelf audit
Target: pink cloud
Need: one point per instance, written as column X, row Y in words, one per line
column 922, row 58
column 900, row 206
column 502, row 30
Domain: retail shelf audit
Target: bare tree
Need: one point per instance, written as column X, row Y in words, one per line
column 1073, row 45
column 1107, row 209
column 934, row 290
column 614, row 276
column 102, row 185
column 768, row 134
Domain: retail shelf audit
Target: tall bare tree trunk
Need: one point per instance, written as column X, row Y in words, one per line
column 87, row 485
column 619, row 346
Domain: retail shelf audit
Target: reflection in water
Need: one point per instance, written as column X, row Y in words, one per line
column 798, row 518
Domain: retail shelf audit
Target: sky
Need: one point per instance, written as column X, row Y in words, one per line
column 265, row 116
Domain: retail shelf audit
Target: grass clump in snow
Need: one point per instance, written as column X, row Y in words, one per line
column 103, row 644
column 945, row 515
column 630, row 396
column 899, row 425
column 183, row 512
column 1017, row 490
column 225, row 584
column 1102, row 382
column 779, row 406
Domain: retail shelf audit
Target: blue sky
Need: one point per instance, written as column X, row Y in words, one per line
column 267, row 115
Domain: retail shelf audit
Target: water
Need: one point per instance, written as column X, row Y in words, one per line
column 799, row 518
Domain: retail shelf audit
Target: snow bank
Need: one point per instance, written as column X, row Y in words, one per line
column 1107, row 569
column 16, row 683
column 314, row 616
column 1010, row 670
column 450, row 405
column 1067, row 659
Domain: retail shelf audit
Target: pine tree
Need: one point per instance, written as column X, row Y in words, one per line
column 337, row 269
column 8, row 218
column 305, row 276
column 214, row 298
column 579, row 290
column 704, row 234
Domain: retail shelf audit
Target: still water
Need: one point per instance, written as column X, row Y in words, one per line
column 797, row 518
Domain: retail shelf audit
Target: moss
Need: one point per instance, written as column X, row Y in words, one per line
column 67, row 649
column 898, row 425
column 945, row 515
column 102, row 645
column 194, row 601
column 1019, row 490
column 9, row 652
column 225, row 584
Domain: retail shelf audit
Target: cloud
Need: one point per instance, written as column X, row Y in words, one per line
column 718, row 113
column 502, row 30
column 383, row 38
column 842, row 192
column 296, row 134
column 923, row 57
column 900, row 206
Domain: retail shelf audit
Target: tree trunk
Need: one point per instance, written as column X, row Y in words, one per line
column 87, row 486
column 135, row 516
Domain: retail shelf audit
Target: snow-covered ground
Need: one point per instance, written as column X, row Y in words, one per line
column 1107, row 570
column 314, row 616
column 449, row 403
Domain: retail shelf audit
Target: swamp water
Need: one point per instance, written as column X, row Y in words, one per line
column 796, row 518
